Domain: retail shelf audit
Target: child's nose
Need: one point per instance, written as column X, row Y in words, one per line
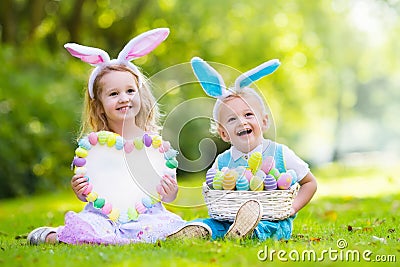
column 124, row 98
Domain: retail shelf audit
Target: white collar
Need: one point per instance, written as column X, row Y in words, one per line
column 236, row 154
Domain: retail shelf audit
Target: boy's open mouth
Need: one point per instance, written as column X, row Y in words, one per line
column 244, row 132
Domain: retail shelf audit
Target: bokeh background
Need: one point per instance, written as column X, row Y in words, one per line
column 334, row 100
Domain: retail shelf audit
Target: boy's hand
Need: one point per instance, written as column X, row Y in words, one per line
column 168, row 188
column 79, row 184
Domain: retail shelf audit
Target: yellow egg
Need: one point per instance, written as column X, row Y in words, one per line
column 111, row 139
column 81, row 152
column 80, row 170
column 92, row 196
column 255, row 161
column 256, row 184
column 156, row 141
column 229, row 181
column 114, row 215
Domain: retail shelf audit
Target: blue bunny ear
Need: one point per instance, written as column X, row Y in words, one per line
column 257, row 73
column 209, row 78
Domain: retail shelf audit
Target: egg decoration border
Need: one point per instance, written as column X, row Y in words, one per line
column 111, row 139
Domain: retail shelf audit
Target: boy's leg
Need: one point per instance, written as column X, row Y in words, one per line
column 246, row 220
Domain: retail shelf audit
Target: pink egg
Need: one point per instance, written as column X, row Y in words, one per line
column 248, row 174
column 140, row 207
column 284, row 181
column 128, row 147
column 165, row 146
column 106, row 209
column 88, row 189
column 267, row 164
column 92, row 138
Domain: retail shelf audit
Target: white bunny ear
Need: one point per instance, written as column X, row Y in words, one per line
column 143, row 44
column 91, row 55
column 209, row 78
column 257, row 73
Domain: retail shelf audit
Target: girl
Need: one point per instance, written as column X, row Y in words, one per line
column 241, row 119
column 119, row 101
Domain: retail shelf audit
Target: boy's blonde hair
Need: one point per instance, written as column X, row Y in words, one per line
column 93, row 117
column 246, row 93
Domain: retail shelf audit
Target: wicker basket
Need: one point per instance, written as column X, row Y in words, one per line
column 223, row 204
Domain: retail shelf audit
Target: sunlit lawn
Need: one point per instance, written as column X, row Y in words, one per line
column 368, row 224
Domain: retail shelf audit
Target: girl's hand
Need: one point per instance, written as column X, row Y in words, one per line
column 168, row 188
column 79, row 184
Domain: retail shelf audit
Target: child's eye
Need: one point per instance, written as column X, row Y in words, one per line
column 249, row 114
column 113, row 94
column 131, row 91
column 231, row 119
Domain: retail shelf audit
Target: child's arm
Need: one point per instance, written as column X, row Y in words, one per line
column 79, row 184
column 308, row 186
column 168, row 188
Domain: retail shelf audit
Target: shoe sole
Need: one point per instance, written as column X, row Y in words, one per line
column 190, row 231
column 246, row 220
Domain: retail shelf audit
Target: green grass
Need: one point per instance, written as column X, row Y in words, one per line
column 318, row 227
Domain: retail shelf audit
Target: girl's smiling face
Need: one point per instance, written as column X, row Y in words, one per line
column 119, row 97
column 241, row 122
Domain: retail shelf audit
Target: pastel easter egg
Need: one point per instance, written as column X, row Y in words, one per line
column 294, row 176
column 138, row 143
column 84, row 143
column 229, row 181
column 260, row 174
column 156, row 143
column 114, row 215
column 147, row 140
column 79, row 162
column 256, row 184
column 99, row 203
column 255, row 161
column 111, row 139
column 133, row 214
column 275, row 172
column 128, row 147
column 88, row 189
column 172, row 163
column 248, row 174
column 106, row 209
column 242, row 184
column 267, row 164
column 92, row 137
column 102, row 137
column 80, row 170
column 210, row 177
column 81, row 152
column 284, row 181
column 146, row 201
column 123, row 218
column 119, row 142
column 171, row 153
column 164, row 146
column 240, row 170
column 217, row 181
column 140, row 208
column 92, row 196
column 270, row 182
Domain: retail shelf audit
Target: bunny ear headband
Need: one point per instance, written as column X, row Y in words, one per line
column 138, row 47
column 214, row 85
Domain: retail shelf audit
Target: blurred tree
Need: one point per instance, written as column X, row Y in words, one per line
column 338, row 74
